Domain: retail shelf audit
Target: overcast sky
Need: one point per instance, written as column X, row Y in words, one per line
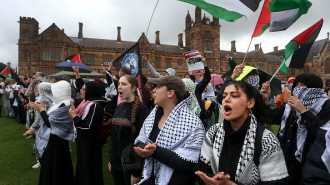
column 101, row 18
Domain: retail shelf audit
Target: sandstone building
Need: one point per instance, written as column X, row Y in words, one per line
column 42, row 51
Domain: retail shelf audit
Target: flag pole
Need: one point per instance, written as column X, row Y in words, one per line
column 247, row 51
column 151, row 18
column 276, row 71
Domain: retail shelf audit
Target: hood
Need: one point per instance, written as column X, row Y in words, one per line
column 170, row 71
column 61, row 92
column 45, row 93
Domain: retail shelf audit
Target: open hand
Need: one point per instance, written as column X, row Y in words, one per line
column 38, row 106
column 219, row 179
column 147, row 151
column 237, row 71
column 295, row 103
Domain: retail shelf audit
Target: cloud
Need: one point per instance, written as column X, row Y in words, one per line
column 101, row 18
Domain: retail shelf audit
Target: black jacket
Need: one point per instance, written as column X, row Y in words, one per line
column 288, row 140
column 314, row 171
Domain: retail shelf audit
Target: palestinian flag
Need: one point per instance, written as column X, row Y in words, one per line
column 6, row 73
column 74, row 58
column 229, row 10
column 285, row 12
column 298, row 48
column 263, row 21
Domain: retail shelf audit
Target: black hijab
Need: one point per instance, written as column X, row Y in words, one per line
column 309, row 79
column 94, row 90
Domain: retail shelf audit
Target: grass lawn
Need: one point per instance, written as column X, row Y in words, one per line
column 16, row 157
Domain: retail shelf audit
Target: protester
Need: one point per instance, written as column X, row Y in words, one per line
column 300, row 119
column 171, row 136
column 316, row 170
column 241, row 150
column 2, row 91
column 44, row 95
column 56, row 130
column 154, row 73
column 88, row 117
column 126, row 124
column 6, row 97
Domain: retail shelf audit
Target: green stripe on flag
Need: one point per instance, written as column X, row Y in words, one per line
column 6, row 76
column 264, row 28
column 290, row 48
column 214, row 10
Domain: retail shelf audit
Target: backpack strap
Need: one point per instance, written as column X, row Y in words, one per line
column 258, row 144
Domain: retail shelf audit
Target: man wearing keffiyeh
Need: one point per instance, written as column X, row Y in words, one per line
column 300, row 118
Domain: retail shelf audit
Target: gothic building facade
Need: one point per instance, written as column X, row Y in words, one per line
column 42, row 51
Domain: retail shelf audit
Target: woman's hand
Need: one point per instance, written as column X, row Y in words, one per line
column 148, row 150
column 237, row 71
column 109, row 166
column 265, row 92
column 38, row 106
column 72, row 111
column 295, row 103
column 28, row 132
column 135, row 180
column 219, row 179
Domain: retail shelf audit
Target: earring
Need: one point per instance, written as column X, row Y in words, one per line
column 250, row 111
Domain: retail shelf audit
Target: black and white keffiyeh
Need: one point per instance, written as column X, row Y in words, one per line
column 254, row 81
column 326, row 154
column 272, row 164
column 182, row 133
column 313, row 100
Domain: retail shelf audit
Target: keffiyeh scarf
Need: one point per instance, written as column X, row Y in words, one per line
column 182, row 133
column 272, row 162
column 326, row 154
column 191, row 87
column 313, row 100
column 83, row 108
column 61, row 125
column 254, row 81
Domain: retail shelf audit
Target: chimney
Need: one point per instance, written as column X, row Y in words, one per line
column 180, row 41
column 328, row 35
column 276, row 49
column 80, row 33
column 157, row 38
column 118, row 34
column 256, row 46
column 233, row 46
column 63, row 30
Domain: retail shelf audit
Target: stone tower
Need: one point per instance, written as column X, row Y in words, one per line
column 204, row 35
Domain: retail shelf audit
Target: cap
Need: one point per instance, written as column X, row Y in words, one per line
column 172, row 83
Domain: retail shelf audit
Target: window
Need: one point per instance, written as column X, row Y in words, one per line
column 180, row 64
column 51, row 54
column 208, row 46
column 207, row 33
column 107, row 59
column 292, row 72
column 27, row 54
column 26, row 35
column 157, row 62
column 90, row 59
column 327, row 66
column 168, row 63
column 35, row 53
column 209, row 64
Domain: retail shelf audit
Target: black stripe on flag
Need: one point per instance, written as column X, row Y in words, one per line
column 299, row 57
column 252, row 4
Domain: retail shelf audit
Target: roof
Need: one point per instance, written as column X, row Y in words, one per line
column 113, row 44
column 316, row 49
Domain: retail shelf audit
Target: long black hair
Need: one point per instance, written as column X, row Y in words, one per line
column 260, row 110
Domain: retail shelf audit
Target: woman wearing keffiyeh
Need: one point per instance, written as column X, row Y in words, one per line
column 300, row 119
column 240, row 150
column 171, row 136
column 87, row 118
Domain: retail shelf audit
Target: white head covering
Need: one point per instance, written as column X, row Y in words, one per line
column 45, row 93
column 191, row 86
column 61, row 94
column 209, row 93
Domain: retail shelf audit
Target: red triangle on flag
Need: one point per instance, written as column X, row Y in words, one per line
column 302, row 37
column 76, row 58
column 6, row 72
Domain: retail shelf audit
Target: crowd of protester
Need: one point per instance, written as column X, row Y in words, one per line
column 179, row 132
